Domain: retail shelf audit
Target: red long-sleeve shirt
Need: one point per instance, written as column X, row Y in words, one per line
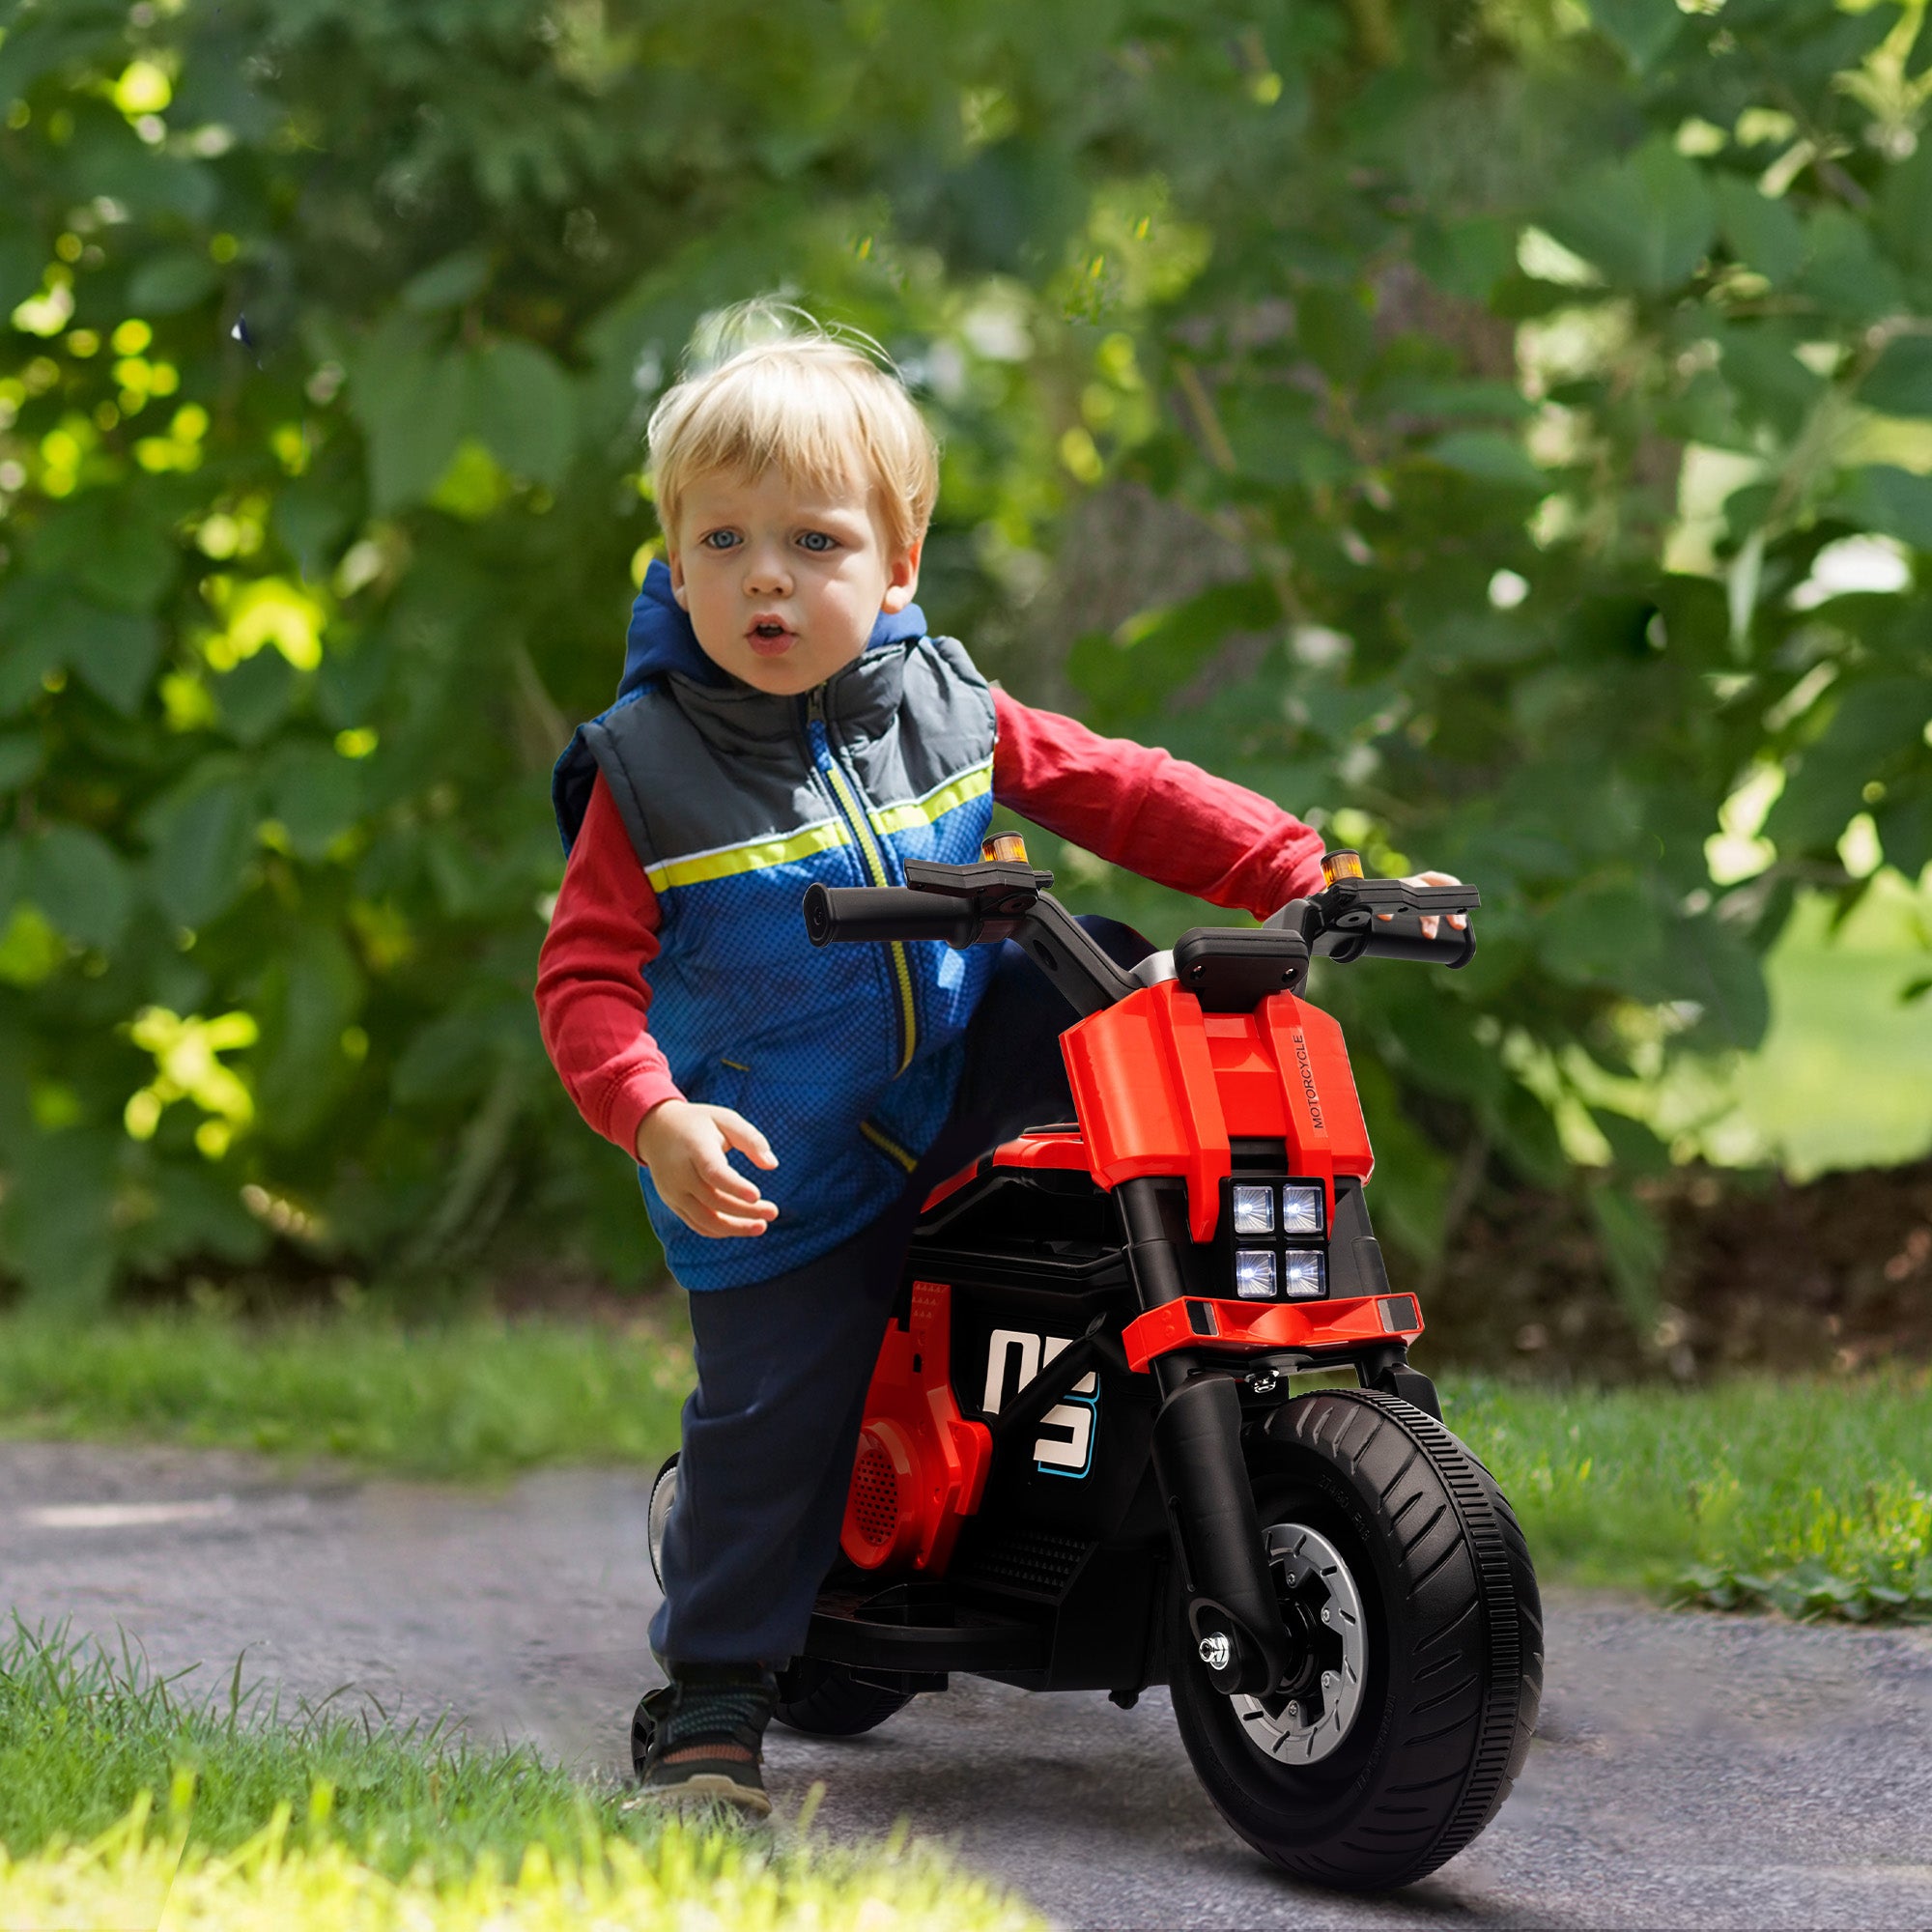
column 1131, row 805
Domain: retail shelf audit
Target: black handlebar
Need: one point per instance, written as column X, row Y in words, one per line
column 885, row 912
column 1381, row 919
column 983, row 904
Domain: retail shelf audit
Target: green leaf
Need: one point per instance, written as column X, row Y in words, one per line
column 1128, row 674
column 56, row 1219
column 1648, row 221
column 1521, row 1128
column 1899, row 384
column 1905, row 832
column 1772, row 385
column 522, row 406
column 1845, row 273
column 40, row 42
column 1466, row 258
column 411, row 401
column 311, row 517
column 1634, row 1246
column 1633, row 1145
column 316, row 795
column 22, row 264
column 257, row 695
column 1640, row 30
column 448, row 283
column 1337, row 329
column 1711, row 964
column 310, row 996
column 1489, row 456
column 204, row 837
column 81, row 883
column 1890, row 501
column 115, row 651
column 170, row 283
column 1596, row 933
column 111, row 544
column 20, row 755
column 197, row 1212
column 457, row 1056
column 1762, row 233
column 1876, row 731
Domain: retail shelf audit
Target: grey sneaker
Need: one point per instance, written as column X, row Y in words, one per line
column 699, row 1737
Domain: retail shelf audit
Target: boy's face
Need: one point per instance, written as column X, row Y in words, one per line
column 783, row 585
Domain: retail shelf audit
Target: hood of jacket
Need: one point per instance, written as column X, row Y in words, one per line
column 661, row 639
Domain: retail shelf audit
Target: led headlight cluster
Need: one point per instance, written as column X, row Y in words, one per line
column 1276, row 1212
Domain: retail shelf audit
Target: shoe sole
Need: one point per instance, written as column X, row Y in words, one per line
column 712, row 1788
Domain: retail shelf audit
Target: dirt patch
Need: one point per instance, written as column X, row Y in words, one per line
column 1759, row 1273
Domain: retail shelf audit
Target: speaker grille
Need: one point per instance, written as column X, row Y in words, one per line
column 875, row 1497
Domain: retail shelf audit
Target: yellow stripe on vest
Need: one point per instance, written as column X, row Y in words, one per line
column 936, row 803
column 756, row 855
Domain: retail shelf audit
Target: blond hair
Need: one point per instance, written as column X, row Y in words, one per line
column 822, row 407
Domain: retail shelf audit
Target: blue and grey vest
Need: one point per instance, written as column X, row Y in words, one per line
column 847, row 1057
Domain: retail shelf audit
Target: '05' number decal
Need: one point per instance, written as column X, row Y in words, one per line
column 1064, row 1445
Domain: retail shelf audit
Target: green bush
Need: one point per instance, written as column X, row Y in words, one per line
column 1486, row 393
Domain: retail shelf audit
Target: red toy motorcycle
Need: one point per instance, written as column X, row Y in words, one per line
column 1084, row 1464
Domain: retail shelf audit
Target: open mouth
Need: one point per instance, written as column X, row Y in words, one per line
column 768, row 636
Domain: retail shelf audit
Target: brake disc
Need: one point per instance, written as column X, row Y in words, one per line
column 1304, row 1724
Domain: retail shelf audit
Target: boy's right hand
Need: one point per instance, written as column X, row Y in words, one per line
column 683, row 1142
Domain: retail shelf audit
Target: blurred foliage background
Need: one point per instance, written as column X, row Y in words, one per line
column 1499, row 428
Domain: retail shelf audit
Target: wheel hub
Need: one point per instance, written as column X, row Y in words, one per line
column 1309, row 1716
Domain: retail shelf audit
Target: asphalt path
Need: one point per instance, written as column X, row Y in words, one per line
column 1691, row 1769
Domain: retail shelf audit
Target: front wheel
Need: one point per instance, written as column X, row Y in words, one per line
column 1404, row 1580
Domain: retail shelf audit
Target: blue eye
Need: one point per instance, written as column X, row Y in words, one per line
column 720, row 540
column 817, row 542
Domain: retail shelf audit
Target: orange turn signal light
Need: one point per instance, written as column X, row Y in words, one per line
column 1342, row 864
column 1004, row 845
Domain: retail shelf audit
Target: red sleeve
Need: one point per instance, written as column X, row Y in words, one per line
column 1159, row 817
column 592, row 999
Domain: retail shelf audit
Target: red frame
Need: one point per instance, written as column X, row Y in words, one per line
column 939, row 1461
column 1240, row 1326
column 1161, row 1088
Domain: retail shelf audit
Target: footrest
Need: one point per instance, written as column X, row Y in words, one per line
column 912, row 1626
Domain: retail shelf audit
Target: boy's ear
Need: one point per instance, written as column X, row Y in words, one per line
column 902, row 579
column 675, row 564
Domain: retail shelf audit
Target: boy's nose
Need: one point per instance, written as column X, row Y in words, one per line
column 766, row 573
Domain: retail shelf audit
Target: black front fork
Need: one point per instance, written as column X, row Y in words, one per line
column 1204, row 1477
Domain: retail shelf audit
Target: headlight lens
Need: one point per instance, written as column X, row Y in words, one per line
column 1306, row 1275
column 1254, row 1210
column 1254, row 1274
column 1301, row 1210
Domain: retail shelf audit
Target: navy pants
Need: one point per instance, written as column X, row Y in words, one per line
column 783, row 1365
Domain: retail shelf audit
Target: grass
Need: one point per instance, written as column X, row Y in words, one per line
column 1815, row 1496
column 470, row 1398
column 120, row 1793
column 1811, row 1497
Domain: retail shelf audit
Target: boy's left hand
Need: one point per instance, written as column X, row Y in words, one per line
column 1431, row 921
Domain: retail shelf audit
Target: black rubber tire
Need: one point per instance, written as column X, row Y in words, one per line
column 1453, row 1672
column 657, row 1512
column 825, row 1700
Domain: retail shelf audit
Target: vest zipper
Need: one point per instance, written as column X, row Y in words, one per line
column 848, row 797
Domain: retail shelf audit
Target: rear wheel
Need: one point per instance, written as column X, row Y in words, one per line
column 827, row 1702
column 824, row 1699
column 1402, row 1572
column 657, row 1517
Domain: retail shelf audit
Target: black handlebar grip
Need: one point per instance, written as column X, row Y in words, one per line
column 1401, row 938
column 885, row 912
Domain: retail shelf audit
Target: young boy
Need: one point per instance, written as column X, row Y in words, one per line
column 784, row 718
